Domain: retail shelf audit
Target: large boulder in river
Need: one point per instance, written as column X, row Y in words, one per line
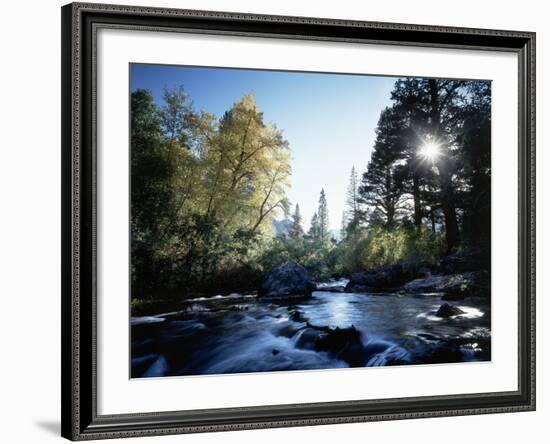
column 447, row 311
column 379, row 279
column 288, row 281
column 454, row 287
column 342, row 343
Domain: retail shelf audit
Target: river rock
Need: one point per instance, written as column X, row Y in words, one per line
column 342, row 343
column 447, row 310
column 454, row 287
column 335, row 340
column 297, row 316
column 464, row 262
column 288, row 281
column 306, row 338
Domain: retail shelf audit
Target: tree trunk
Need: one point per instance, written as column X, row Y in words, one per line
column 432, row 218
column 390, row 217
column 452, row 234
column 417, row 203
column 447, row 193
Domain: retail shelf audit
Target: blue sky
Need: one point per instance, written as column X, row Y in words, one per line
column 329, row 120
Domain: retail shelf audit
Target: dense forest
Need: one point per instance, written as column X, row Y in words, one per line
column 207, row 192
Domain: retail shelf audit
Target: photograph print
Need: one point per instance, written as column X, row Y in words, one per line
column 285, row 220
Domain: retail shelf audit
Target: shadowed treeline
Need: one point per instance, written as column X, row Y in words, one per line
column 206, row 192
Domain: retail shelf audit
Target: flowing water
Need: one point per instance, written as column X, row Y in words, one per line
column 239, row 334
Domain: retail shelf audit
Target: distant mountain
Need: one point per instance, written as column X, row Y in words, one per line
column 282, row 227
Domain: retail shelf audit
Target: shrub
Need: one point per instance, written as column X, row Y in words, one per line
column 379, row 247
column 321, row 260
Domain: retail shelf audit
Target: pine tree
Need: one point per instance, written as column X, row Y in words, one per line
column 350, row 219
column 438, row 107
column 379, row 191
column 313, row 232
column 296, row 228
column 322, row 213
column 344, row 226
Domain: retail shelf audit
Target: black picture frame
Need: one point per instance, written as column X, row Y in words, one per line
column 80, row 420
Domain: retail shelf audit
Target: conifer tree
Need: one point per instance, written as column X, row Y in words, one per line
column 322, row 213
column 296, row 227
column 350, row 220
column 313, row 232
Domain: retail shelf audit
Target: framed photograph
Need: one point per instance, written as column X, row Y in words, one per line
column 280, row 221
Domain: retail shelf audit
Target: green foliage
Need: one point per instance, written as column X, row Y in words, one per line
column 352, row 216
column 314, row 228
column 296, row 229
column 320, row 259
column 381, row 246
column 450, row 188
column 151, row 192
column 204, row 194
column 379, row 189
column 319, row 231
column 322, row 214
column 362, row 250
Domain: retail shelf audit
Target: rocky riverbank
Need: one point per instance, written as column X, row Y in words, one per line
column 456, row 278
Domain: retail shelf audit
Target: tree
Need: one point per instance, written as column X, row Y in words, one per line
column 475, row 164
column 151, row 194
column 175, row 117
column 180, row 125
column 296, row 227
column 344, row 225
column 436, row 107
column 245, row 172
column 248, row 168
column 351, row 216
column 314, row 228
column 204, row 192
column 322, row 214
column 379, row 190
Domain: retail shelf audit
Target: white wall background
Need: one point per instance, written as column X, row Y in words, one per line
column 30, row 221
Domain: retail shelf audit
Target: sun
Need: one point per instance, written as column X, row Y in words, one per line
column 429, row 151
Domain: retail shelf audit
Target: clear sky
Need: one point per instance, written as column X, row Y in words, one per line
column 329, row 120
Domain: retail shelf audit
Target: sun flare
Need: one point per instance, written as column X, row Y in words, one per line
column 429, row 151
